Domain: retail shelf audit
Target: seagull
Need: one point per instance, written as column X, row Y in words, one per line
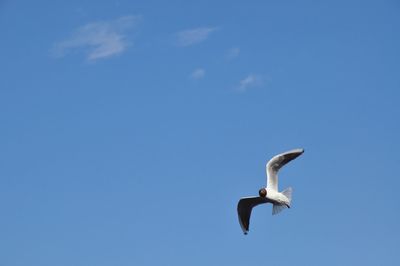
column 270, row 193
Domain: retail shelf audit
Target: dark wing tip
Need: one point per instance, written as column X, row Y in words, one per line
column 244, row 208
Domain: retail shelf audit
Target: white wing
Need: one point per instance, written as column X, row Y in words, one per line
column 276, row 163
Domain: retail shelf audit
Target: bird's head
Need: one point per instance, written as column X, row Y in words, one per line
column 262, row 192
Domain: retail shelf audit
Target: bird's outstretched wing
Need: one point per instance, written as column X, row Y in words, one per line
column 276, row 163
column 244, row 208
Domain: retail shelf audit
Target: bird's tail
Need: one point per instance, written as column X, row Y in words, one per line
column 277, row 208
column 288, row 193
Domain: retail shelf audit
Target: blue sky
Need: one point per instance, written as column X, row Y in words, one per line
column 130, row 129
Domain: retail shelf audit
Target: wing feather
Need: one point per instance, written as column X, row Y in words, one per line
column 244, row 208
column 276, row 163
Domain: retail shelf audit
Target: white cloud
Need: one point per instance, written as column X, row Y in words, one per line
column 249, row 82
column 233, row 53
column 101, row 39
column 198, row 73
column 193, row 36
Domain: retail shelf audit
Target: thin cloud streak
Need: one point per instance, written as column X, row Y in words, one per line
column 233, row 53
column 99, row 39
column 193, row 36
column 198, row 74
column 249, row 82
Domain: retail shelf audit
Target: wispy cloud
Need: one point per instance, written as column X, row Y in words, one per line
column 193, row 36
column 250, row 81
column 100, row 39
column 233, row 53
column 198, row 73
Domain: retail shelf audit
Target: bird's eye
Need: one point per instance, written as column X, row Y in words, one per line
column 262, row 192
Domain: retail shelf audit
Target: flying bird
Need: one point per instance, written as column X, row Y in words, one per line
column 270, row 193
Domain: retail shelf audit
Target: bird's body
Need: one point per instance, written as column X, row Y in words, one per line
column 270, row 193
column 277, row 197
